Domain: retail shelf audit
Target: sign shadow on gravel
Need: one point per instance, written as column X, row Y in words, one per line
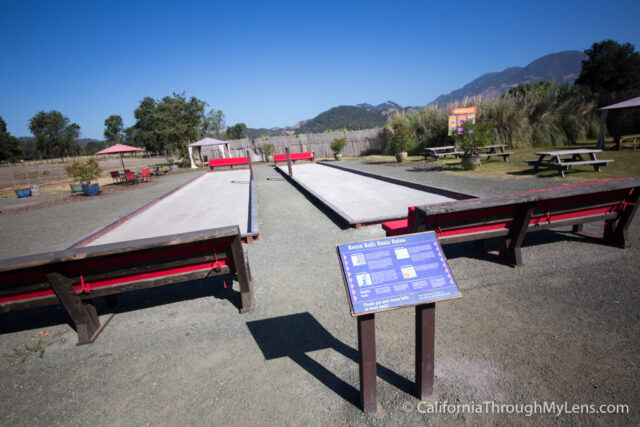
column 297, row 334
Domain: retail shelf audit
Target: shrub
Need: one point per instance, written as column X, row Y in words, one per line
column 474, row 136
column 399, row 135
column 403, row 138
column 84, row 171
column 338, row 144
column 268, row 149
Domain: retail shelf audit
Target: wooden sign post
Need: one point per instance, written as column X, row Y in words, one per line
column 386, row 274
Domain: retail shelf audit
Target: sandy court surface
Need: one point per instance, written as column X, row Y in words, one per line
column 363, row 199
column 216, row 199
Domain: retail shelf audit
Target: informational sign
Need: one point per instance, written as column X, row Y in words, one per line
column 396, row 272
column 461, row 115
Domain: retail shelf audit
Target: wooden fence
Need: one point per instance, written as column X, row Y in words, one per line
column 359, row 143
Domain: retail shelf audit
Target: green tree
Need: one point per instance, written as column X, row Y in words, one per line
column 10, row 148
column 610, row 67
column 93, row 147
column 130, row 135
column 55, row 137
column 144, row 134
column 169, row 124
column 235, row 131
column 213, row 124
column 113, row 129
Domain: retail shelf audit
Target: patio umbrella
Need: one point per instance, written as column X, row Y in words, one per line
column 119, row 149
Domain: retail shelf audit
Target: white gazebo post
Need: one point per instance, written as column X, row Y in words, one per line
column 193, row 165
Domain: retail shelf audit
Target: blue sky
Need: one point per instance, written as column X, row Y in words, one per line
column 271, row 64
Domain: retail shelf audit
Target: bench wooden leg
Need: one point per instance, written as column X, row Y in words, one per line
column 82, row 313
column 617, row 233
column 511, row 244
column 245, row 280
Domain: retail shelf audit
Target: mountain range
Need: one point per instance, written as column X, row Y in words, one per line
column 562, row 67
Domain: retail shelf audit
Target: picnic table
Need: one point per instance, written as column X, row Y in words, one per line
column 494, row 150
column 562, row 160
column 437, row 152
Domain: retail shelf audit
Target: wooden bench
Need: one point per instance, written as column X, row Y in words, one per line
column 229, row 161
column 73, row 277
column 511, row 216
column 566, row 163
column 627, row 143
column 307, row 155
column 494, row 150
column 505, row 155
column 437, row 152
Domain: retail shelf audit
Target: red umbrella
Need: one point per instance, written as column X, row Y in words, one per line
column 119, row 149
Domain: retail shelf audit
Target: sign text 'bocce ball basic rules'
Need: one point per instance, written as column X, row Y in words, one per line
column 396, row 272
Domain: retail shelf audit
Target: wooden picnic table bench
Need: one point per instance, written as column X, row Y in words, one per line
column 511, row 216
column 72, row 277
column 437, row 152
column 562, row 160
column 494, row 150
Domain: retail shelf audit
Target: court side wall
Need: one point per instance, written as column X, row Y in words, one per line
column 359, row 143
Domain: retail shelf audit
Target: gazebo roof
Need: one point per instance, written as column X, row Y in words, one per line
column 633, row 102
column 207, row 141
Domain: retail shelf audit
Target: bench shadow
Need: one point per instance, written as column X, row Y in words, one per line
column 488, row 249
column 296, row 335
column 43, row 317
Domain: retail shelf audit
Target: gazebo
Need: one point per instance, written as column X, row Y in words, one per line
column 208, row 142
column 629, row 103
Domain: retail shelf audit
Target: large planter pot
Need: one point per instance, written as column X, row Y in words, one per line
column 91, row 189
column 35, row 190
column 23, row 192
column 470, row 162
column 337, row 156
column 76, row 187
column 174, row 168
column 269, row 157
column 401, row 156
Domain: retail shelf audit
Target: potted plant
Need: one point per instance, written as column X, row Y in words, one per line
column 473, row 137
column 268, row 150
column 85, row 173
column 21, row 192
column 73, row 170
column 337, row 145
column 402, row 141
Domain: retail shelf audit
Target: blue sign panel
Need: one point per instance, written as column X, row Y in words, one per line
column 396, row 272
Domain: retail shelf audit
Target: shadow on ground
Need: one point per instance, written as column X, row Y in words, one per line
column 219, row 287
column 296, row 335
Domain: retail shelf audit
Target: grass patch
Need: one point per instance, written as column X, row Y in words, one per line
column 37, row 347
column 626, row 163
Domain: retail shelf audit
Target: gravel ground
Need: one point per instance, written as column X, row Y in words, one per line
column 565, row 328
column 28, row 231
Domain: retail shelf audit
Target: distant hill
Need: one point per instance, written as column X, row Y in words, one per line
column 386, row 108
column 255, row 133
column 344, row 116
column 563, row 67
